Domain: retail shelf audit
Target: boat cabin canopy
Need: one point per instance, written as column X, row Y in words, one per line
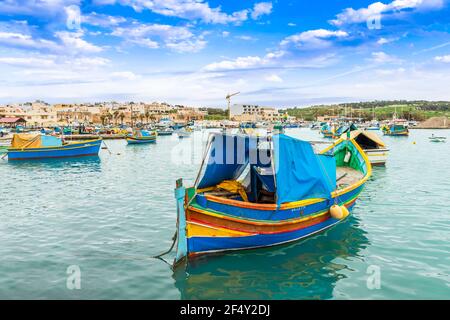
column 27, row 141
column 279, row 165
column 366, row 139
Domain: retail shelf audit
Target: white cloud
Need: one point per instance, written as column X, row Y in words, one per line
column 246, row 38
column 350, row 15
column 179, row 39
column 291, row 24
column 445, row 59
column 74, row 41
column 313, row 38
column 27, row 62
column 244, row 62
column 225, row 34
column 36, row 7
column 102, row 20
column 382, row 57
column 260, row 9
column 195, row 10
column 127, row 75
column 273, row 78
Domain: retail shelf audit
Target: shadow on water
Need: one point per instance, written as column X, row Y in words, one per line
column 304, row 270
column 93, row 162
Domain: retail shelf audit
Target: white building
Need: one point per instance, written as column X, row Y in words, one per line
column 248, row 112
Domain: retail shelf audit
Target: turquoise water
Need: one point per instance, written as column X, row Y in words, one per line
column 108, row 215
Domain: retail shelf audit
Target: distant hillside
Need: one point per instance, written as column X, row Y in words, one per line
column 382, row 110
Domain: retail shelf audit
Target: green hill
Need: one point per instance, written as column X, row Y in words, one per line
column 382, row 110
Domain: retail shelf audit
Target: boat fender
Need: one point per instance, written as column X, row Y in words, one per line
column 347, row 156
column 345, row 212
column 336, row 212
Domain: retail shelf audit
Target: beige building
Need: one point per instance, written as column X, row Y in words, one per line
column 37, row 114
column 247, row 112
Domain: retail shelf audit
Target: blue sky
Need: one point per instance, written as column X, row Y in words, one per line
column 276, row 53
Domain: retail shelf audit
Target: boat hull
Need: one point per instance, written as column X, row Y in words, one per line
column 131, row 140
column 81, row 149
column 209, row 234
column 377, row 157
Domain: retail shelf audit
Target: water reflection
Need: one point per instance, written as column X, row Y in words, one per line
column 91, row 162
column 304, row 270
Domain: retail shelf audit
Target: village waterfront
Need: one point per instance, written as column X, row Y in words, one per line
column 105, row 216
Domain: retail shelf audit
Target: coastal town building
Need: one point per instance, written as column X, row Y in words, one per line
column 247, row 112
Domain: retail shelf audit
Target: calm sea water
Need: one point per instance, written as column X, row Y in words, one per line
column 109, row 215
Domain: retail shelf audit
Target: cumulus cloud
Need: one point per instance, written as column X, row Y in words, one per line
column 243, row 62
column 102, row 20
column 176, row 38
column 36, row 7
column 75, row 42
column 195, row 10
column 260, row 9
column 317, row 38
column 351, row 16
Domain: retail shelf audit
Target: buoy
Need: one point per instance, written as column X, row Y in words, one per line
column 336, row 212
column 345, row 212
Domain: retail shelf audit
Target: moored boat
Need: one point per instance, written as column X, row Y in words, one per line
column 372, row 145
column 395, row 130
column 141, row 137
column 254, row 192
column 434, row 138
column 327, row 131
column 184, row 132
column 37, row 146
column 165, row 132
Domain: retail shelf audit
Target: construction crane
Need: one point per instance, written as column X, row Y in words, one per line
column 228, row 97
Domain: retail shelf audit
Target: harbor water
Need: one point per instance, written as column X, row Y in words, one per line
column 105, row 217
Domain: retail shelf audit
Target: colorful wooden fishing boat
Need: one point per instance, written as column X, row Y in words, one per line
column 141, row 137
column 184, row 132
column 165, row 132
column 327, row 131
column 395, row 130
column 254, row 192
column 373, row 146
column 344, row 128
column 37, row 146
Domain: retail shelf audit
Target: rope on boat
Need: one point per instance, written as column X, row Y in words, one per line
column 174, row 240
column 4, row 155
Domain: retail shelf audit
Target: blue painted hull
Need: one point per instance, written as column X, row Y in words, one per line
column 140, row 141
column 82, row 149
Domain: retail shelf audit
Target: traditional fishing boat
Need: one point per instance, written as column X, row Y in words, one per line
column 37, row 146
column 395, row 129
column 141, row 136
column 344, row 128
column 254, row 192
column 184, row 132
column 372, row 145
column 327, row 131
column 165, row 132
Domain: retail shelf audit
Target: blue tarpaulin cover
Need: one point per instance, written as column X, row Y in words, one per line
column 300, row 173
column 50, row 141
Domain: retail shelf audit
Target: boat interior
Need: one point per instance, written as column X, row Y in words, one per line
column 257, row 184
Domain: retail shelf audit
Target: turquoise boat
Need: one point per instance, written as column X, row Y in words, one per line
column 142, row 137
column 37, row 146
column 395, row 130
column 253, row 192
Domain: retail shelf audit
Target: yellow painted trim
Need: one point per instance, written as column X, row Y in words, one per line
column 198, row 229
column 48, row 148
